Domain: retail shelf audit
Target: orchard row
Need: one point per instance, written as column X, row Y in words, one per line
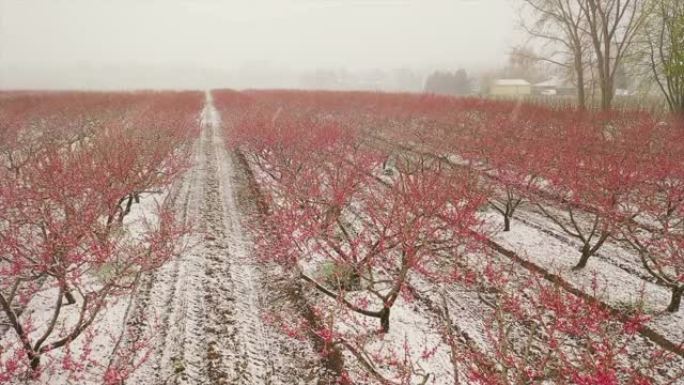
column 372, row 227
column 376, row 203
column 72, row 168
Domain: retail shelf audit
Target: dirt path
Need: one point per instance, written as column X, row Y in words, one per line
column 240, row 352
column 205, row 307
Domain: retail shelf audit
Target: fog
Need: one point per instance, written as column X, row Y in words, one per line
column 382, row 44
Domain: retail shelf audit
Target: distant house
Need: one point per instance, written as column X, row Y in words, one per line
column 554, row 86
column 624, row 92
column 510, row 88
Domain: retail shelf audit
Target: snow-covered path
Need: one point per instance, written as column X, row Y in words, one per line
column 244, row 356
column 204, row 309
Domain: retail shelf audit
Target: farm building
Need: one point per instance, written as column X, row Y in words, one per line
column 554, row 86
column 510, row 88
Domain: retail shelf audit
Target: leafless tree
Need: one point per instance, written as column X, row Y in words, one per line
column 524, row 63
column 559, row 23
column 664, row 41
column 612, row 26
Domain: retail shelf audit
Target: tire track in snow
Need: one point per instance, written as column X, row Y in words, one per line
column 207, row 301
column 170, row 305
column 245, row 357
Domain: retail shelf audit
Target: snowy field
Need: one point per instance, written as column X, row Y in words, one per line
column 306, row 256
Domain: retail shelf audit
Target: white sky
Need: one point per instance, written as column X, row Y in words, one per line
column 225, row 34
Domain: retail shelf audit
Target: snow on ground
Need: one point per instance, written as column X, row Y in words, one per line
column 210, row 301
column 95, row 346
column 617, row 268
column 420, row 326
column 411, row 325
column 414, row 332
column 199, row 318
column 621, row 287
column 201, row 315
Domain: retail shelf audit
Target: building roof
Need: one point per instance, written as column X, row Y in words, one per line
column 554, row 82
column 511, row 82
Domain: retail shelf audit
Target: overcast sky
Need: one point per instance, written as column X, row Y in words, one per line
column 230, row 34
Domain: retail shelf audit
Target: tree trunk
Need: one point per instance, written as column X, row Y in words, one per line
column 586, row 253
column 127, row 210
column 384, row 319
column 676, row 299
column 579, row 71
column 679, row 110
column 581, row 97
column 507, row 223
column 607, row 93
column 34, row 359
column 69, row 297
column 604, row 100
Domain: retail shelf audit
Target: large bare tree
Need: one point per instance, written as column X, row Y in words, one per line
column 664, row 39
column 560, row 24
column 612, row 26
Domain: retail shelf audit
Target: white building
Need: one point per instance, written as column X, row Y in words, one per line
column 510, row 88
